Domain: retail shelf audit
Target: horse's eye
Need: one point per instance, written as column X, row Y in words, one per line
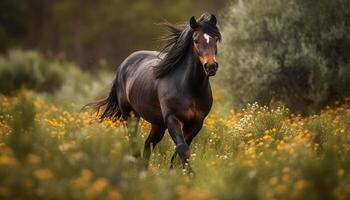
column 195, row 41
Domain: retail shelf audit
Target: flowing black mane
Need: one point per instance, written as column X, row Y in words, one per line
column 178, row 41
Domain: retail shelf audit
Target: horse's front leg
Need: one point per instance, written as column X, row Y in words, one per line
column 189, row 132
column 175, row 129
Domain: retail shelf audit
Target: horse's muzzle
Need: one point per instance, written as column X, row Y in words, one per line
column 211, row 68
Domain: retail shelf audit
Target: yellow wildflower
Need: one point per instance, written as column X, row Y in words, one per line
column 341, row 172
column 273, row 180
column 97, row 187
column 7, row 161
column 113, row 194
column 33, row 159
column 286, row 170
column 267, row 137
column 85, row 177
column 43, row 174
column 285, row 177
column 300, row 184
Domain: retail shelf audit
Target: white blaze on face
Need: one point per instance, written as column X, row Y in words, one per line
column 207, row 37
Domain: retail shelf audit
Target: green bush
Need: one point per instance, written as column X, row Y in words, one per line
column 291, row 51
column 64, row 80
column 29, row 70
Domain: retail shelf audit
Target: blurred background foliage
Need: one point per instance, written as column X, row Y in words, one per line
column 58, row 79
column 294, row 51
column 29, row 70
column 89, row 32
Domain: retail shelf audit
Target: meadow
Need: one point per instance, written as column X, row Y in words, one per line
column 49, row 149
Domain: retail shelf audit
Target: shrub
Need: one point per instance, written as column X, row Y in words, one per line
column 29, row 70
column 291, row 51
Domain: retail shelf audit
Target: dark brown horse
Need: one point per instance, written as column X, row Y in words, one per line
column 169, row 89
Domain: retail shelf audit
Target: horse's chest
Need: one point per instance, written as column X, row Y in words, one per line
column 196, row 111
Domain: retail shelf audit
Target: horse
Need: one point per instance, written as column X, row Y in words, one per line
column 169, row 89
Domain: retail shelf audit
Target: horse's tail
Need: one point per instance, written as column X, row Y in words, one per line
column 111, row 108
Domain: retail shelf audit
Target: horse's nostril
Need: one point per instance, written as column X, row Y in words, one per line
column 216, row 65
column 213, row 66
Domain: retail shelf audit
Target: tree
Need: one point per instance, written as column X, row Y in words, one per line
column 87, row 31
column 294, row 51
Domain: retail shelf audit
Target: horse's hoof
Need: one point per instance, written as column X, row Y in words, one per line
column 188, row 171
column 191, row 174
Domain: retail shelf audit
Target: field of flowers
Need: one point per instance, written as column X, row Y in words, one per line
column 50, row 150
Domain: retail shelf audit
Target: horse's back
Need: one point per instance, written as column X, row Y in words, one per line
column 139, row 84
column 140, row 56
column 135, row 61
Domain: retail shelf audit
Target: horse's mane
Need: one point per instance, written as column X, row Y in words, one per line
column 177, row 42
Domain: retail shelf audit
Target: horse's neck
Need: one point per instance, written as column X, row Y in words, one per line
column 194, row 76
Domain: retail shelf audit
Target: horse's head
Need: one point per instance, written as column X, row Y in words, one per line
column 205, row 37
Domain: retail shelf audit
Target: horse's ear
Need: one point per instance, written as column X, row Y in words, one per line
column 193, row 23
column 213, row 19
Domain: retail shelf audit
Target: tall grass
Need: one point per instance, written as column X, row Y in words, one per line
column 49, row 150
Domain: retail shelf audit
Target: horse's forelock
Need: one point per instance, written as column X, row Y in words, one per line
column 207, row 26
column 210, row 29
